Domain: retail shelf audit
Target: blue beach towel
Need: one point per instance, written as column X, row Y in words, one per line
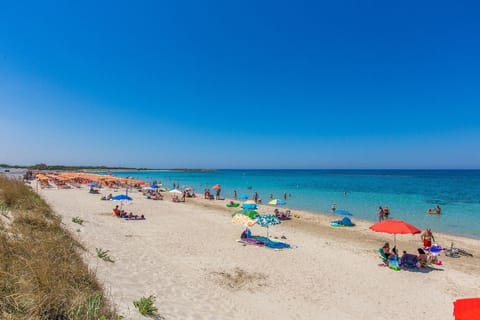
column 271, row 244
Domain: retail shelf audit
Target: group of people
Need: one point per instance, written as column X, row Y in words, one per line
column 423, row 258
column 436, row 210
column 383, row 213
column 123, row 214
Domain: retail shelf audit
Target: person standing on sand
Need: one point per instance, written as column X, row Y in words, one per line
column 427, row 237
column 381, row 214
column 235, row 194
column 255, row 196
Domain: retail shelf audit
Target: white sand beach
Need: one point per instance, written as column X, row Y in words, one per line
column 188, row 257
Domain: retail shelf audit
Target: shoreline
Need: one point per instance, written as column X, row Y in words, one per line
column 187, row 255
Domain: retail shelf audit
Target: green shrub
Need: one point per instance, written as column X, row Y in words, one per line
column 103, row 254
column 77, row 220
column 146, row 305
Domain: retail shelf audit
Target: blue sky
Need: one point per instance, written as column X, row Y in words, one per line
column 241, row 84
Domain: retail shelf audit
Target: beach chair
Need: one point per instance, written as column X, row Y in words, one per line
column 382, row 256
column 409, row 261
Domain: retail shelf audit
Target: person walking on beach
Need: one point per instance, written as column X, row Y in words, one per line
column 381, row 214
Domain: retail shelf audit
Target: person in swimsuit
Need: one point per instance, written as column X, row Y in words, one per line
column 427, row 238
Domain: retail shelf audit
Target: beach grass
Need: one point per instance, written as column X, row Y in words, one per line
column 146, row 306
column 42, row 275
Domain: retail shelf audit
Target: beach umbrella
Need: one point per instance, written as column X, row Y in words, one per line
column 466, row 309
column 266, row 220
column 216, row 187
column 249, row 206
column 395, row 227
column 249, row 213
column 343, row 212
column 277, row 202
column 242, row 196
column 243, row 219
column 121, row 198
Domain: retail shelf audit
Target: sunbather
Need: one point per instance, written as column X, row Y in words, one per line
column 386, row 253
column 116, row 211
column 423, row 259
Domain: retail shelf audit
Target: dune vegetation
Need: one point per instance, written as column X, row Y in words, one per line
column 42, row 275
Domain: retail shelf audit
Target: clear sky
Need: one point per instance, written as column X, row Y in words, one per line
column 241, row 84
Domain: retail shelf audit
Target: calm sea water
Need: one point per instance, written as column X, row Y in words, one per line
column 408, row 193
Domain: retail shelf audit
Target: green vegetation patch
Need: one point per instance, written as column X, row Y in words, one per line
column 41, row 273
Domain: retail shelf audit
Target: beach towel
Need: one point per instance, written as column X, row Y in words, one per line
column 271, row 244
column 251, row 241
column 133, row 218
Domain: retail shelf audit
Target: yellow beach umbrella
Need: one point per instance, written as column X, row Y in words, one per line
column 243, row 219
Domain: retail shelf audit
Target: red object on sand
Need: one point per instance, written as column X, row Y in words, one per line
column 466, row 309
column 395, row 227
column 216, row 187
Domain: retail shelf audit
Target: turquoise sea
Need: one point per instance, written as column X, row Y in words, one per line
column 408, row 193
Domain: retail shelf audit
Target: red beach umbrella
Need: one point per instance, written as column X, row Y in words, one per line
column 395, row 227
column 466, row 309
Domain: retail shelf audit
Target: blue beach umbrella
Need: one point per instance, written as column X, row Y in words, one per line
column 121, row 198
column 266, row 220
column 343, row 212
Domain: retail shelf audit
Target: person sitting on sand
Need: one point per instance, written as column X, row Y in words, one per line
column 423, row 259
column 386, row 251
column 116, row 212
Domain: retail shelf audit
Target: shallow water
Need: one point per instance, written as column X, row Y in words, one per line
column 408, row 193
